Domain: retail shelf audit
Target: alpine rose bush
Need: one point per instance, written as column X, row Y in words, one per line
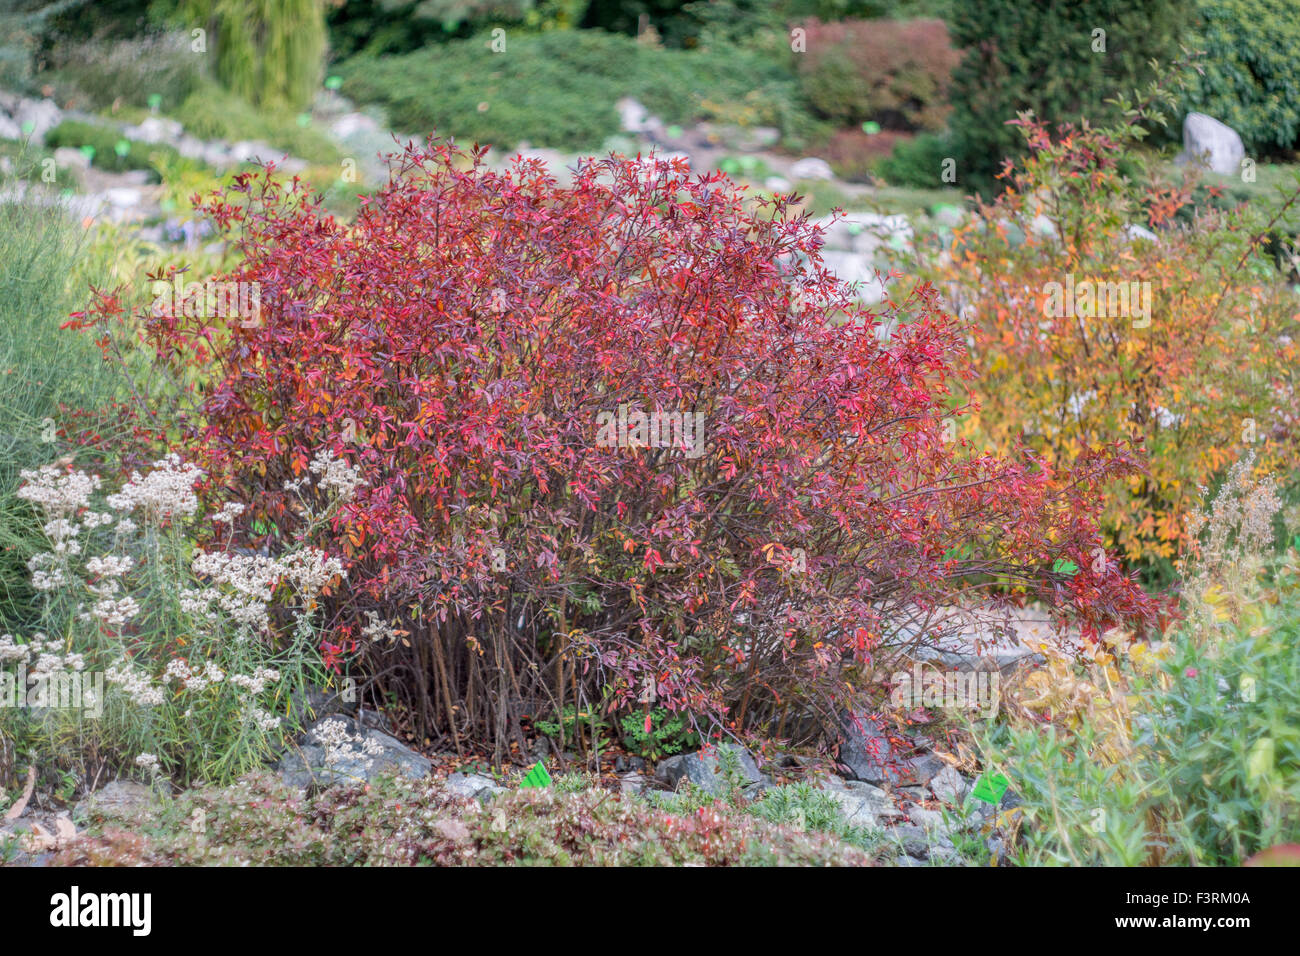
column 624, row 445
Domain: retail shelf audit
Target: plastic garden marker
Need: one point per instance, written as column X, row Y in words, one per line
column 155, row 101
column 1062, row 566
column 121, row 147
column 89, row 153
column 304, row 120
column 871, row 128
column 674, row 131
column 333, row 82
column 537, row 777
column 990, row 788
column 28, row 127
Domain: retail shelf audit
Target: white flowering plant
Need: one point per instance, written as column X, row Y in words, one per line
column 202, row 649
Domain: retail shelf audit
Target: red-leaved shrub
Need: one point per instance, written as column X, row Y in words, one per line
column 895, row 72
column 475, row 342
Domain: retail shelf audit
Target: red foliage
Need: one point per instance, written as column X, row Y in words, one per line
column 895, row 72
column 460, row 342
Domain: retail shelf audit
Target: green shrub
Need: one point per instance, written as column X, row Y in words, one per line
column 667, row 733
column 400, row 26
column 1018, row 56
column 111, row 151
column 1247, row 78
column 917, row 163
column 25, row 26
column 558, row 89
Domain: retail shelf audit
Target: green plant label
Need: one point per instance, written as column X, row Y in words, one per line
column 537, row 777
column 990, row 787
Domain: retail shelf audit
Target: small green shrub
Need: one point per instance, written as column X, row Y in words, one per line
column 918, row 163
column 111, row 151
column 667, row 733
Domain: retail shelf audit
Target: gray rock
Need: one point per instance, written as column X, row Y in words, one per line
column 778, row 184
column 353, row 124
column 473, row 786
column 923, row 769
column 155, row 129
column 949, row 786
column 69, row 158
column 123, row 198
column 701, row 769
column 117, row 797
column 810, row 167
column 1214, row 144
column 634, row 117
column 862, row 804
column 309, row 763
column 1132, row 231
column 21, row 117
column 913, row 840
column 630, row 784
column 865, row 751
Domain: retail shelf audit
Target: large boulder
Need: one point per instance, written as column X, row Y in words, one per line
column 1215, row 144
column 702, row 769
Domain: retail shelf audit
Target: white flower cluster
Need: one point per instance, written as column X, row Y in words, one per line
column 148, row 762
column 137, row 686
column 241, row 583
column 109, row 566
column 310, row 569
column 263, row 720
column 166, row 492
column 228, row 513
column 336, row 475
column 115, row 612
column 256, row 682
column 378, row 630
column 179, row 670
column 339, row 745
column 56, row 492
column 44, row 655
